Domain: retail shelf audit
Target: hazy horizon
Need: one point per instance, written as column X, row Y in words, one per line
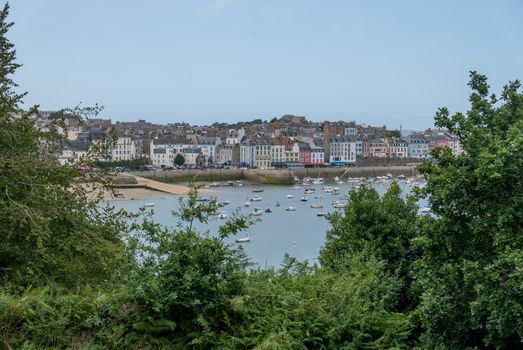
column 236, row 60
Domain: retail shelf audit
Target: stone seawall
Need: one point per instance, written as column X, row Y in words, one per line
column 276, row 177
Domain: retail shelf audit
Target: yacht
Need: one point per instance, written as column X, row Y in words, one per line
column 243, row 240
column 256, row 212
column 318, row 181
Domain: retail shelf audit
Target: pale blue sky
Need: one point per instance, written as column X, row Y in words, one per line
column 379, row 62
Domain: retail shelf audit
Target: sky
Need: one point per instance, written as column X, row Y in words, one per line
column 376, row 62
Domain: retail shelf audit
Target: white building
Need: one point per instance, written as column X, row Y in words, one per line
column 247, row 153
column 277, row 151
column 317, row 155
column 125, row 149
column 342, row 150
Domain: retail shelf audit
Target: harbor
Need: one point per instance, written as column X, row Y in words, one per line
column 288, row 219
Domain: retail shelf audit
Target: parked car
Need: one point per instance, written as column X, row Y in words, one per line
column 147, row 168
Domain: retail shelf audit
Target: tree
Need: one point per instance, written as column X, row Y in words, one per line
column 382, row 227
column 186, row 280
column 52, row 227
column 471, row 271
column 179, row 159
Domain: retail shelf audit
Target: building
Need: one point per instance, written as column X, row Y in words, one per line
column 125, row 149
column 418, row 147
column 378, row 149
column 247, row 153
column 193, row 157
column 342, row 150
column 317, row 155
column 398, row 148
column 277, row 152
column 292, row 152
column 304, row 154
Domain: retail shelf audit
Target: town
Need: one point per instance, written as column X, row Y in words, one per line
column 287, row 142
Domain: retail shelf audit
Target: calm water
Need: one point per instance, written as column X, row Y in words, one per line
column 300, row 233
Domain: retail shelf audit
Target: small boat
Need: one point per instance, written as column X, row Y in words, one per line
column 425, row 210
column 401, row 177
column 247, row 204
column 291, row 209
column 327, row 189
column 226, row 202
column 336, row 179
column 316, row 205
column 257, row 190
column 215, row 213
column 340, row 205
column 318, row 181
column 309, row 191
column 289, row 196
column 256, row 212
column 243, row 240
column 222, row 215
column 148, row 205
column 277, row 204
column 214, row 184
column 318, row 196
column 320, row 213
column 304, row 199
column 256, row 198
column 268, row 210
column 296, row 187
column 296, row 179
column 335, row 192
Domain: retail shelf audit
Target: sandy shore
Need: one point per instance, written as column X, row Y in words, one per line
column 134, row 193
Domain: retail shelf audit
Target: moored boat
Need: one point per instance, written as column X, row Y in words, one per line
column 256, row 212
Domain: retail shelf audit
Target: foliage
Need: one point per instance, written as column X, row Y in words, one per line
column 375, row 226
column 179, row 159
column 303, row 307
column 134, row 164
column 188, row 279
column 471, row 272
column 51, row 226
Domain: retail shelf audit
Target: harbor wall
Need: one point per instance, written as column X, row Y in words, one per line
column 276, row 176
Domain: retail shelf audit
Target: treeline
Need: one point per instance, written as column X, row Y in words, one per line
column 76, row 274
